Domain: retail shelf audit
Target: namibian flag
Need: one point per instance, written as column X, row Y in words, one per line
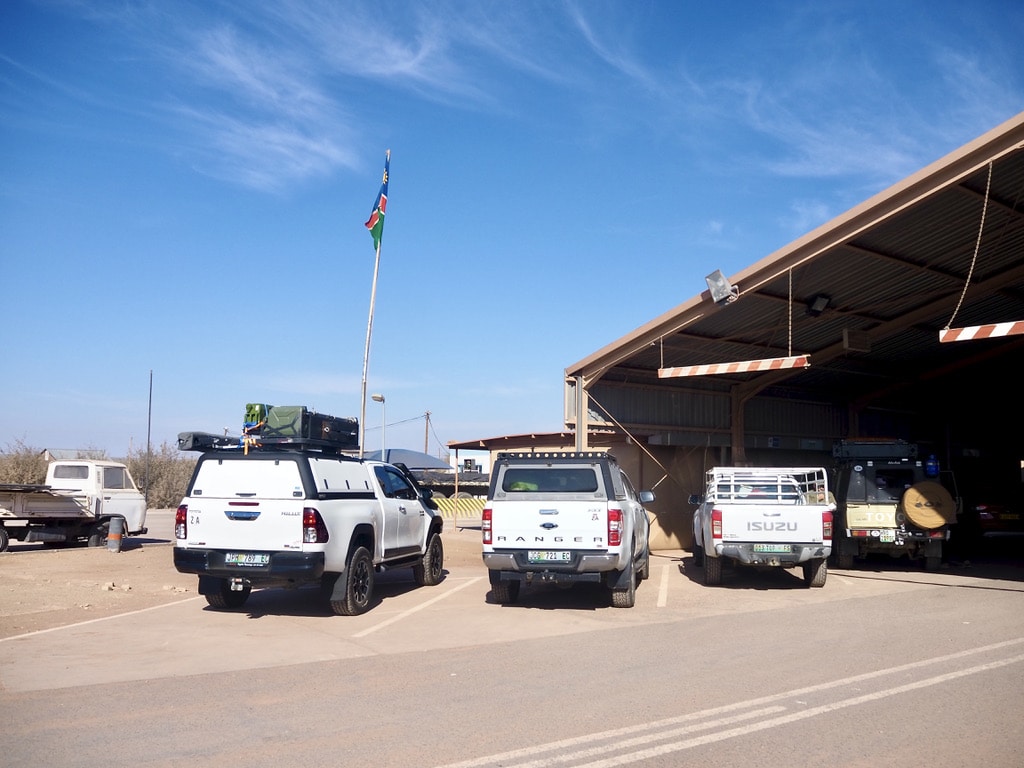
column 376, row 221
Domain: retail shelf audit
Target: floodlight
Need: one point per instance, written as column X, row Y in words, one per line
column 818, row 304
column 722, row 292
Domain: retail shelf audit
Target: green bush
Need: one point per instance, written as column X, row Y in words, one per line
column 20, row 463
column 169, row 473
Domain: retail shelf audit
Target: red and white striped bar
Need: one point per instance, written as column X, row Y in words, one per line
column 745, row 366
column 982, row 331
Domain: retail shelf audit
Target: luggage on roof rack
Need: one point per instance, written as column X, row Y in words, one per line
column 281, row 426
column 297, row 423
column 255, row 418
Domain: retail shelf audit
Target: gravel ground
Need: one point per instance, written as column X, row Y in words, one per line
column 45, row 588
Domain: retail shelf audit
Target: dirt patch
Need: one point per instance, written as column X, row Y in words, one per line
column 43, row 588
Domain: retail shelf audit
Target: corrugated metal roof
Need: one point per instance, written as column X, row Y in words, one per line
column 894, row 269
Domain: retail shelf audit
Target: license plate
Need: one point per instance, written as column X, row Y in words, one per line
column 249, row 559
column 887, row 535
column 773, row 549
column 545, row 556
column 1010, row 516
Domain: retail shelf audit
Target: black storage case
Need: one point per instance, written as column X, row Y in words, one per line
column 296, row 422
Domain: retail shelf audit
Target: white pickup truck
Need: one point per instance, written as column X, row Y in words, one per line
column 77, row 503
column 563, row 518
column 765, row 516
column 289, row 515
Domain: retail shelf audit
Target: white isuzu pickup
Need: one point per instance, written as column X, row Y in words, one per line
column 292, row 511
column 563, row 518
column 765, row 516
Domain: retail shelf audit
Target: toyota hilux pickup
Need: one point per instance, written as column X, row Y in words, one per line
column 291, row 511
column 564, row 518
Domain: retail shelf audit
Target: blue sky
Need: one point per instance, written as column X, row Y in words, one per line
column 184, row 184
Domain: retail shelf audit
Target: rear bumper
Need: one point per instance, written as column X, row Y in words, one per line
column 799, row 553
column 583, row 567
column 284, row 567
column 580, row 562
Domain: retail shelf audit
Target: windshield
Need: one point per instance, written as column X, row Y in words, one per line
column 881, row 484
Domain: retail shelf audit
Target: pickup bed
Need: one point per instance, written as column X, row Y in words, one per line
column 775, row 516
column 564, row 518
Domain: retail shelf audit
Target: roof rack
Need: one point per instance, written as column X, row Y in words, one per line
column 555, row 455
column 209, row 441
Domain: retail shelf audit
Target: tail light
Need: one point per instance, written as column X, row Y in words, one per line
column 716, row 524
column 313, row 529
column 181, row 522
column 826, row 526
column 485, row 525
column 614, row 527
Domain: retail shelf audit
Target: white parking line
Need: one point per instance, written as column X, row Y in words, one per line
column 415, row 608
column 94, row 621
column 663, row 587
column 745, row 730
column 658, row 728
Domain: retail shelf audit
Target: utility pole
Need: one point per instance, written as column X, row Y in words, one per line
column 426, row 433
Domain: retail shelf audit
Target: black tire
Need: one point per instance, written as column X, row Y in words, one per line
column 505, row 592
column 626, row 598
column 5, row 539
column 358, row 585
column 815, row 572
column 430, row 569
column 712, row 571
column 698, row 555
column 645, row 569
column 98, row 536
column 933, row 563
column 844, row 561
column 226, row 599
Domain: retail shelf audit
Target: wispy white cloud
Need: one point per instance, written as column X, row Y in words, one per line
column 805, row 215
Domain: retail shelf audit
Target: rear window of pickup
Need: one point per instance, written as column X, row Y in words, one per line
column 550, row 480
column 234, row 478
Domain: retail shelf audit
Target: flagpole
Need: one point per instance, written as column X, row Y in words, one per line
column 376, row 226
column 366, row 354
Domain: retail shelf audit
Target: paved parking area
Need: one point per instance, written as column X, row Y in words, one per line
column 160, row 627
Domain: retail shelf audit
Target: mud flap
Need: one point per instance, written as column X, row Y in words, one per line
column 848, row 547
column 339, row 588
column 620, row 579
column 209, row 585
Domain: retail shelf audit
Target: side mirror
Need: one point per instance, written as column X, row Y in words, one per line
column 646, row 497
column 694, row 500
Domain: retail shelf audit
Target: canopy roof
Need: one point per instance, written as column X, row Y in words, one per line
column 892, row 273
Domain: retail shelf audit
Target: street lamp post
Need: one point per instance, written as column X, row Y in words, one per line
column 379, row 398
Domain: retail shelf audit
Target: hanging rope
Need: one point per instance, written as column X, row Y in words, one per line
column 977, row 248
column 790, row 312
